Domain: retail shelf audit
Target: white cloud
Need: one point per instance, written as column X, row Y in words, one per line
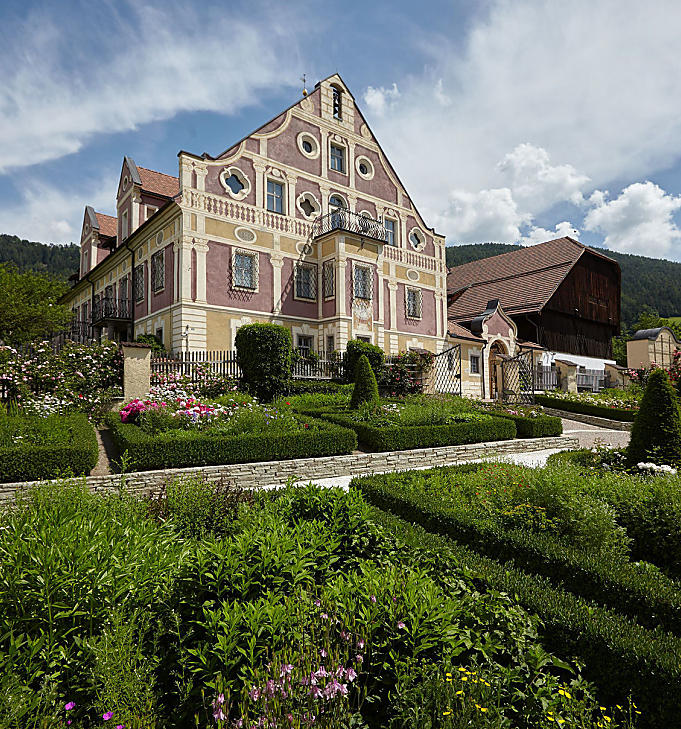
column 536, row 183
column 57, row 93
column 380, row 100
column 640, row 220
column 539, row 235
column 488, row 215
column 54, row 215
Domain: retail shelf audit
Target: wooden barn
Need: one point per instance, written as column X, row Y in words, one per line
column 561, row 295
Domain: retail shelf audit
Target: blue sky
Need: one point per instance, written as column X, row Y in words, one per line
column 508, row 120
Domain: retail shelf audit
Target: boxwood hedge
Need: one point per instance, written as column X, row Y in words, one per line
column 72, row 450
column 540, row 427
column 178, row 449
column 648, row 596
column 402, row 438
column 599, row 411
column 621, row 657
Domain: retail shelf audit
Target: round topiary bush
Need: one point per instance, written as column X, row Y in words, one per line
column 656, row 432
column 355, row 349
column 366, row 387
column 264, row 353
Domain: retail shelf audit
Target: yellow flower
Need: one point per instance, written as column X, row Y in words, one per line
column 458, row 693
column 464, row 678
column 448, row 674
column 446, row 713
column 463, row 670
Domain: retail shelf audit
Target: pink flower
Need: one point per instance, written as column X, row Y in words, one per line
column 107, row 716
column 70, row 705
column 373, row 598
column 351, row 674
column 401, row 625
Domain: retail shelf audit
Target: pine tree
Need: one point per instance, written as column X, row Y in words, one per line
column 366, row 387
column 656, row 433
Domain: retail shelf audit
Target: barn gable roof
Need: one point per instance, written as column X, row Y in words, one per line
column 523, row 280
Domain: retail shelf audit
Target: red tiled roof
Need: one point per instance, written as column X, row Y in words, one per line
column 522, row 280
column 107, row 224
column 458, row 332
column 158, row 182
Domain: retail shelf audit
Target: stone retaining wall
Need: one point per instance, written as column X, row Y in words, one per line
column 268, row 473
column 590, row 419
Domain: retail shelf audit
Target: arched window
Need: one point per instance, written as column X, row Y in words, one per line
column 337, row 102
column 336, row 201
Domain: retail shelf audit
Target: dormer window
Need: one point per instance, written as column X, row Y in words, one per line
column 337, row 102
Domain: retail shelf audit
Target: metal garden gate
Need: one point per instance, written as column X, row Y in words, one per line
column 517, row 376
column 446, row 372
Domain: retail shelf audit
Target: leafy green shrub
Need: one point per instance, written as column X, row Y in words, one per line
column 354, row 350
column 656, row 433
column 587, row 408
column 405, row 374
column 308, row 387
column 399, row 438
column 366, row 388
column 541, row 426
column 316, row 400
column 152, row 340
column 34, row 448
column 180, row 448
column 622, row 658
column 264, row 353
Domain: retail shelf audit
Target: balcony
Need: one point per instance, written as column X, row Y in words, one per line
column 111, row 309
column 349, row 222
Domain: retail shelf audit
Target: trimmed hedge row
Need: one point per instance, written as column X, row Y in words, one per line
column 622, row 658
column 76, row 456
column 306, row 387
column 542, row 426
column 179, row 449
column 651, row 598
column 599, row 411
column 424, row 436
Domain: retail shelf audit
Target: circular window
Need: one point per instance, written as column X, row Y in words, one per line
column 308, row 205
column 245, row 235
column 417, row 239
column 364, row 167
column 235, row 182
column 308, row 145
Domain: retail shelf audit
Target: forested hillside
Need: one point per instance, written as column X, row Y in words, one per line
column 646, row 282
column 61, row 261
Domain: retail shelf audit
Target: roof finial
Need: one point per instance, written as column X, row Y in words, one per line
column 302, row 78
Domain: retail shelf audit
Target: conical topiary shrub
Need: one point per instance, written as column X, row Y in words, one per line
column 656, row 433
column 366, row 387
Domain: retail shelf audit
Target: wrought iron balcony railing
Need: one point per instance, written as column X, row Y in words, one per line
column 111, row 308
column 341, row 219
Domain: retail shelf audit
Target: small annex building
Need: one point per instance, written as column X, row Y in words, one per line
column 650, row 347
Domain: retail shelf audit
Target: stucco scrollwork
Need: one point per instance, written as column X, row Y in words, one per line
column 235, row 182
column 417, row 239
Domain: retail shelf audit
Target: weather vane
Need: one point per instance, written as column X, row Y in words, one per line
column 302, row 78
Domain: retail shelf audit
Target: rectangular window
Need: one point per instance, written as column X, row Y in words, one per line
column 150, row 211
column 305, row 344
column 123, row 289
column 413, row 303
column 329, row 279
column 306, row 281
column 389, row 226
column 158, row 271
column 337, row 158
column 330, row 343
column 124, row 225
column 159, row 335
column 275, row 196
column 245, row 270
column 475, row 364
column 362, row 282
column 363, row 339
column 138, row 282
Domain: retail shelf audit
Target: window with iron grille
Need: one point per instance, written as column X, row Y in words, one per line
column 123, row 289
column 158, row 271
column 475, row 364
column 413, row 303
column 362, row 283
column 337, row 158
column 329, row 279
column 305, row 344
column 138, row 282
column 306, row 281
column 245, row 270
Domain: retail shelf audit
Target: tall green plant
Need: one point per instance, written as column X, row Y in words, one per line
column 366, row 387
column 264, row 353
column 354, row 350
column 656, row 433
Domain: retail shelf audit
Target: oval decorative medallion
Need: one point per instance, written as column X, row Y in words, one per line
column 413, row 274
column 245, row 235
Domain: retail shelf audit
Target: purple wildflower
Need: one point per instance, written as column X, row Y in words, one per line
column 107, row 716
column 70, row 705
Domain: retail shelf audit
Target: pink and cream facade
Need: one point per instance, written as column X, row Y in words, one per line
column 302, row 223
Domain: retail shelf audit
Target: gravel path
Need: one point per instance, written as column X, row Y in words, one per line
column 590, row 435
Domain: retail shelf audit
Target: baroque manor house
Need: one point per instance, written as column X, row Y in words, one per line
column 303, row 223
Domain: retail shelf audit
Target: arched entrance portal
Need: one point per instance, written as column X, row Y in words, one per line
column 496, row 351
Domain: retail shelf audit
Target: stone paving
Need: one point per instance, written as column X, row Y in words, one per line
column 589, row 435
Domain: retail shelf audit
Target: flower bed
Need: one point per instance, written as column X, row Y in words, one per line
column 599, row 407
column 156, row 433
column 34, row 448
column 205, row 606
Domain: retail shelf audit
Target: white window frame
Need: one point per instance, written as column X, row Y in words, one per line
column 343, row 158
column 307, row 137
column 329, row 279
column 158, row 271
column 255, row 270
column 241, row 176
column 362, row 267
column 124, row 225
column 395, row 229
column 363, row 160
column 419, row 299
column 312, row 268
column 282, row 185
